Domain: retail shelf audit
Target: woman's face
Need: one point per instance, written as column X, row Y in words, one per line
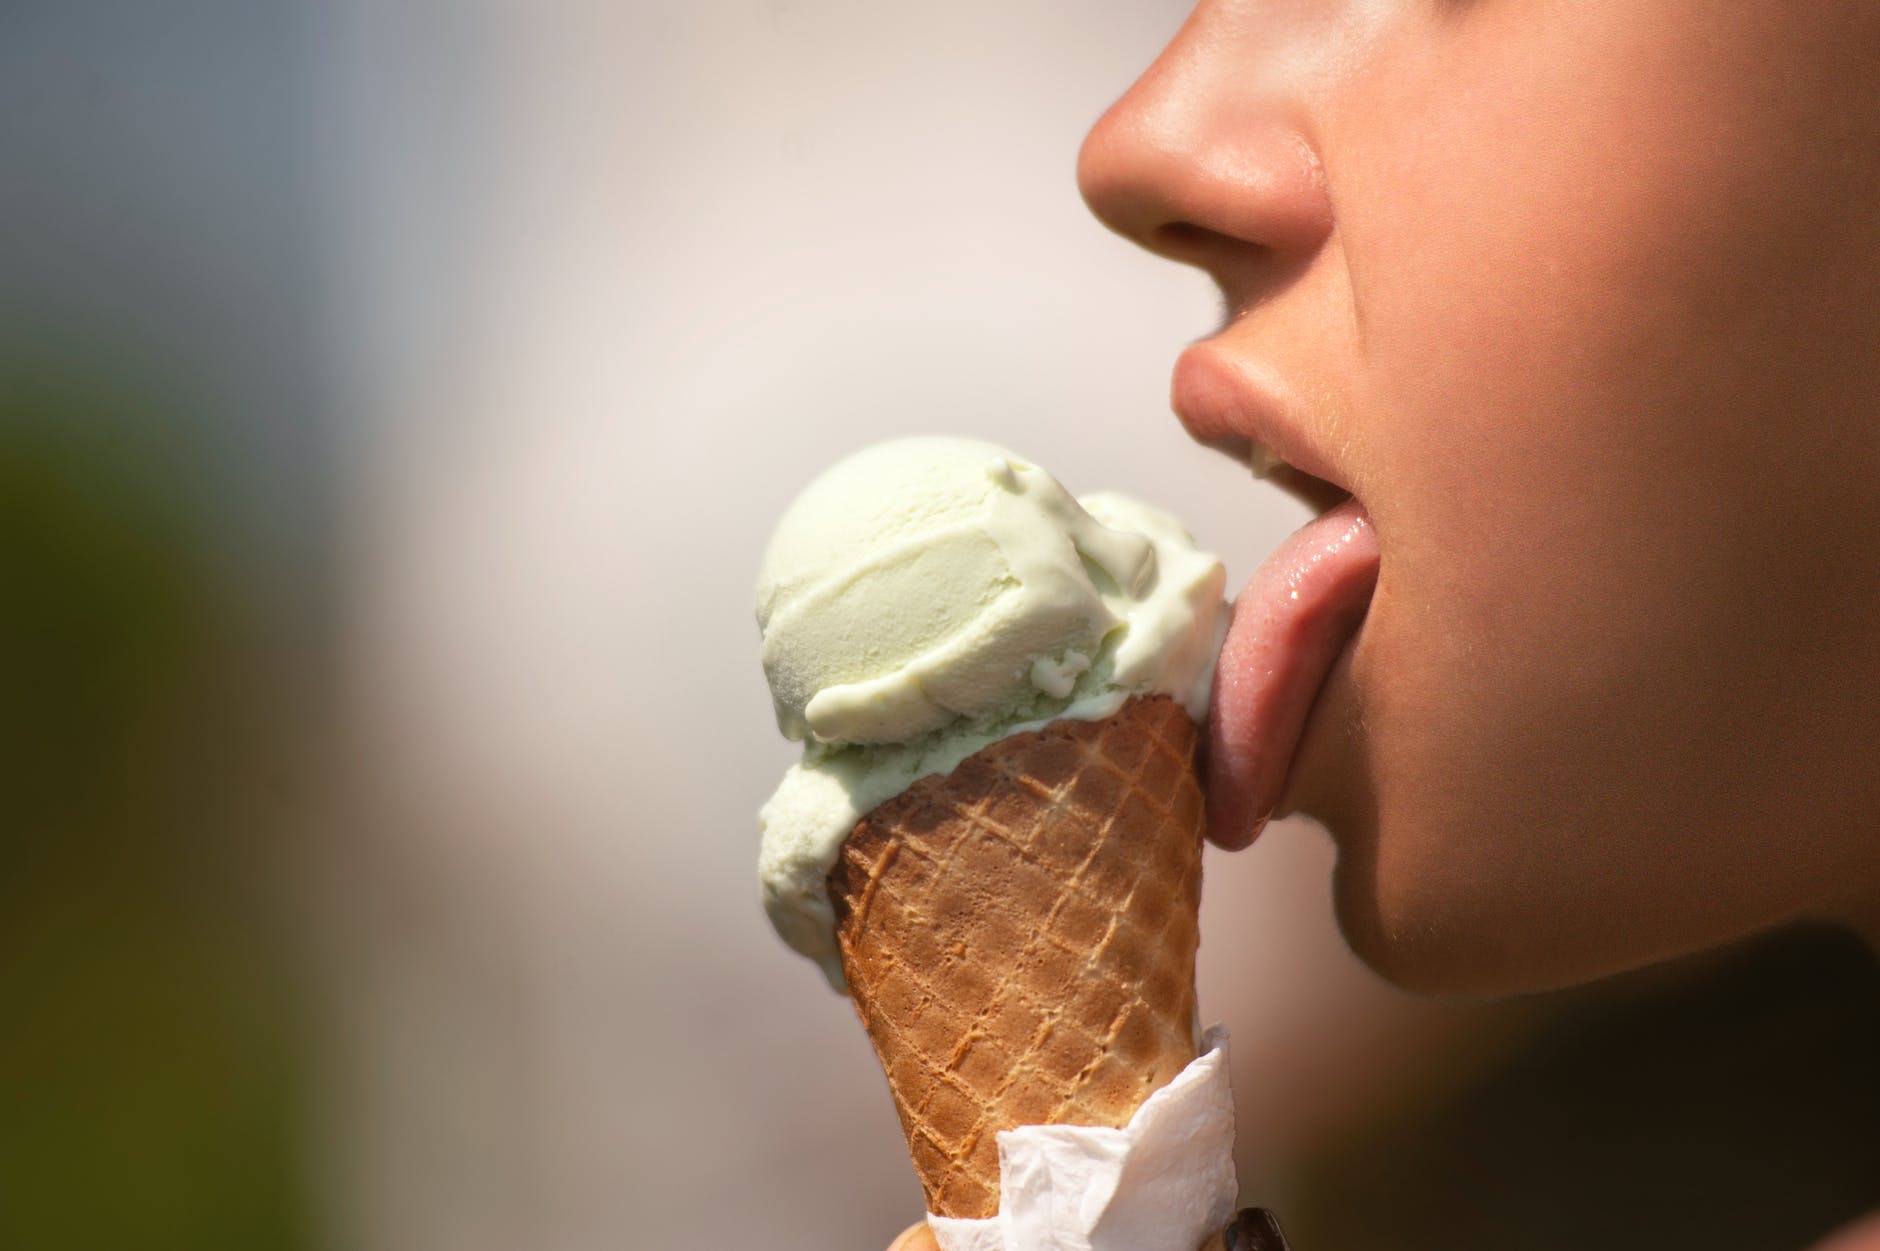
column 1579, row 299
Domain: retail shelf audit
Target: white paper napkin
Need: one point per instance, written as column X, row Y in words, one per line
column 1164, row 1182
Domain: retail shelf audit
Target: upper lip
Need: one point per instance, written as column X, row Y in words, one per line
column 1244, row 409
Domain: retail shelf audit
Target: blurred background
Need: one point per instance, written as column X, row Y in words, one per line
column 394, row 399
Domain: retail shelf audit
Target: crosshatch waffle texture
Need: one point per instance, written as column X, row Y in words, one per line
column 1019, row 937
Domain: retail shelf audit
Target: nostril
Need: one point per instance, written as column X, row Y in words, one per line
column 1185, row 236
column 1220, row 254
column 1191, row 244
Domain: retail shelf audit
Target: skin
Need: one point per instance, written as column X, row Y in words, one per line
column 1578, row 298
column 915, row 1238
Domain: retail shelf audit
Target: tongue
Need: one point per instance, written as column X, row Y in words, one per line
column 1290, row 623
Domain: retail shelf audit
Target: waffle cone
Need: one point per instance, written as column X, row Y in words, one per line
column 1019, row 937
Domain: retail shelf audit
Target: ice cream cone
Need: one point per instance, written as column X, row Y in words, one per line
column 1019, row 937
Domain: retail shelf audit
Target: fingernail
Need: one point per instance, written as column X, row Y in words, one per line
column 1255, row 1229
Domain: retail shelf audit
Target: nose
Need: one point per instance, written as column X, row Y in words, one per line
column 1208, row 157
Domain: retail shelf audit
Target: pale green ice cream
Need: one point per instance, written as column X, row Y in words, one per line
column 927, row 597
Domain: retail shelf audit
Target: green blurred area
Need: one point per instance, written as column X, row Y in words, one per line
column 150, row 1090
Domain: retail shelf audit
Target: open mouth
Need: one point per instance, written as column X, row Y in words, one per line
column 1304, row 605
column 1269, row 466
column 1315, row 493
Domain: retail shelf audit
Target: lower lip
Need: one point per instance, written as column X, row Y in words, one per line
column 1290, row 624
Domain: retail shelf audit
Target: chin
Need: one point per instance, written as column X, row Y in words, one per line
column 1420, row 893
column 1412, row 953
column 1434, row 932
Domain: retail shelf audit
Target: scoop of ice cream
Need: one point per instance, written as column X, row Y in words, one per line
column 929, row 580
column 929, row 596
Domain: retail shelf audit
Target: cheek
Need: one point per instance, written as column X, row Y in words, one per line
column 1571, row 689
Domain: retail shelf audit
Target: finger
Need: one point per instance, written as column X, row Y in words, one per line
column 916, row 1238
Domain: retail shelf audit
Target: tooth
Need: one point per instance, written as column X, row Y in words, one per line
column 1263, row 460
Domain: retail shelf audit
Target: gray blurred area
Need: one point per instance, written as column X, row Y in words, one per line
column 394, row 400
